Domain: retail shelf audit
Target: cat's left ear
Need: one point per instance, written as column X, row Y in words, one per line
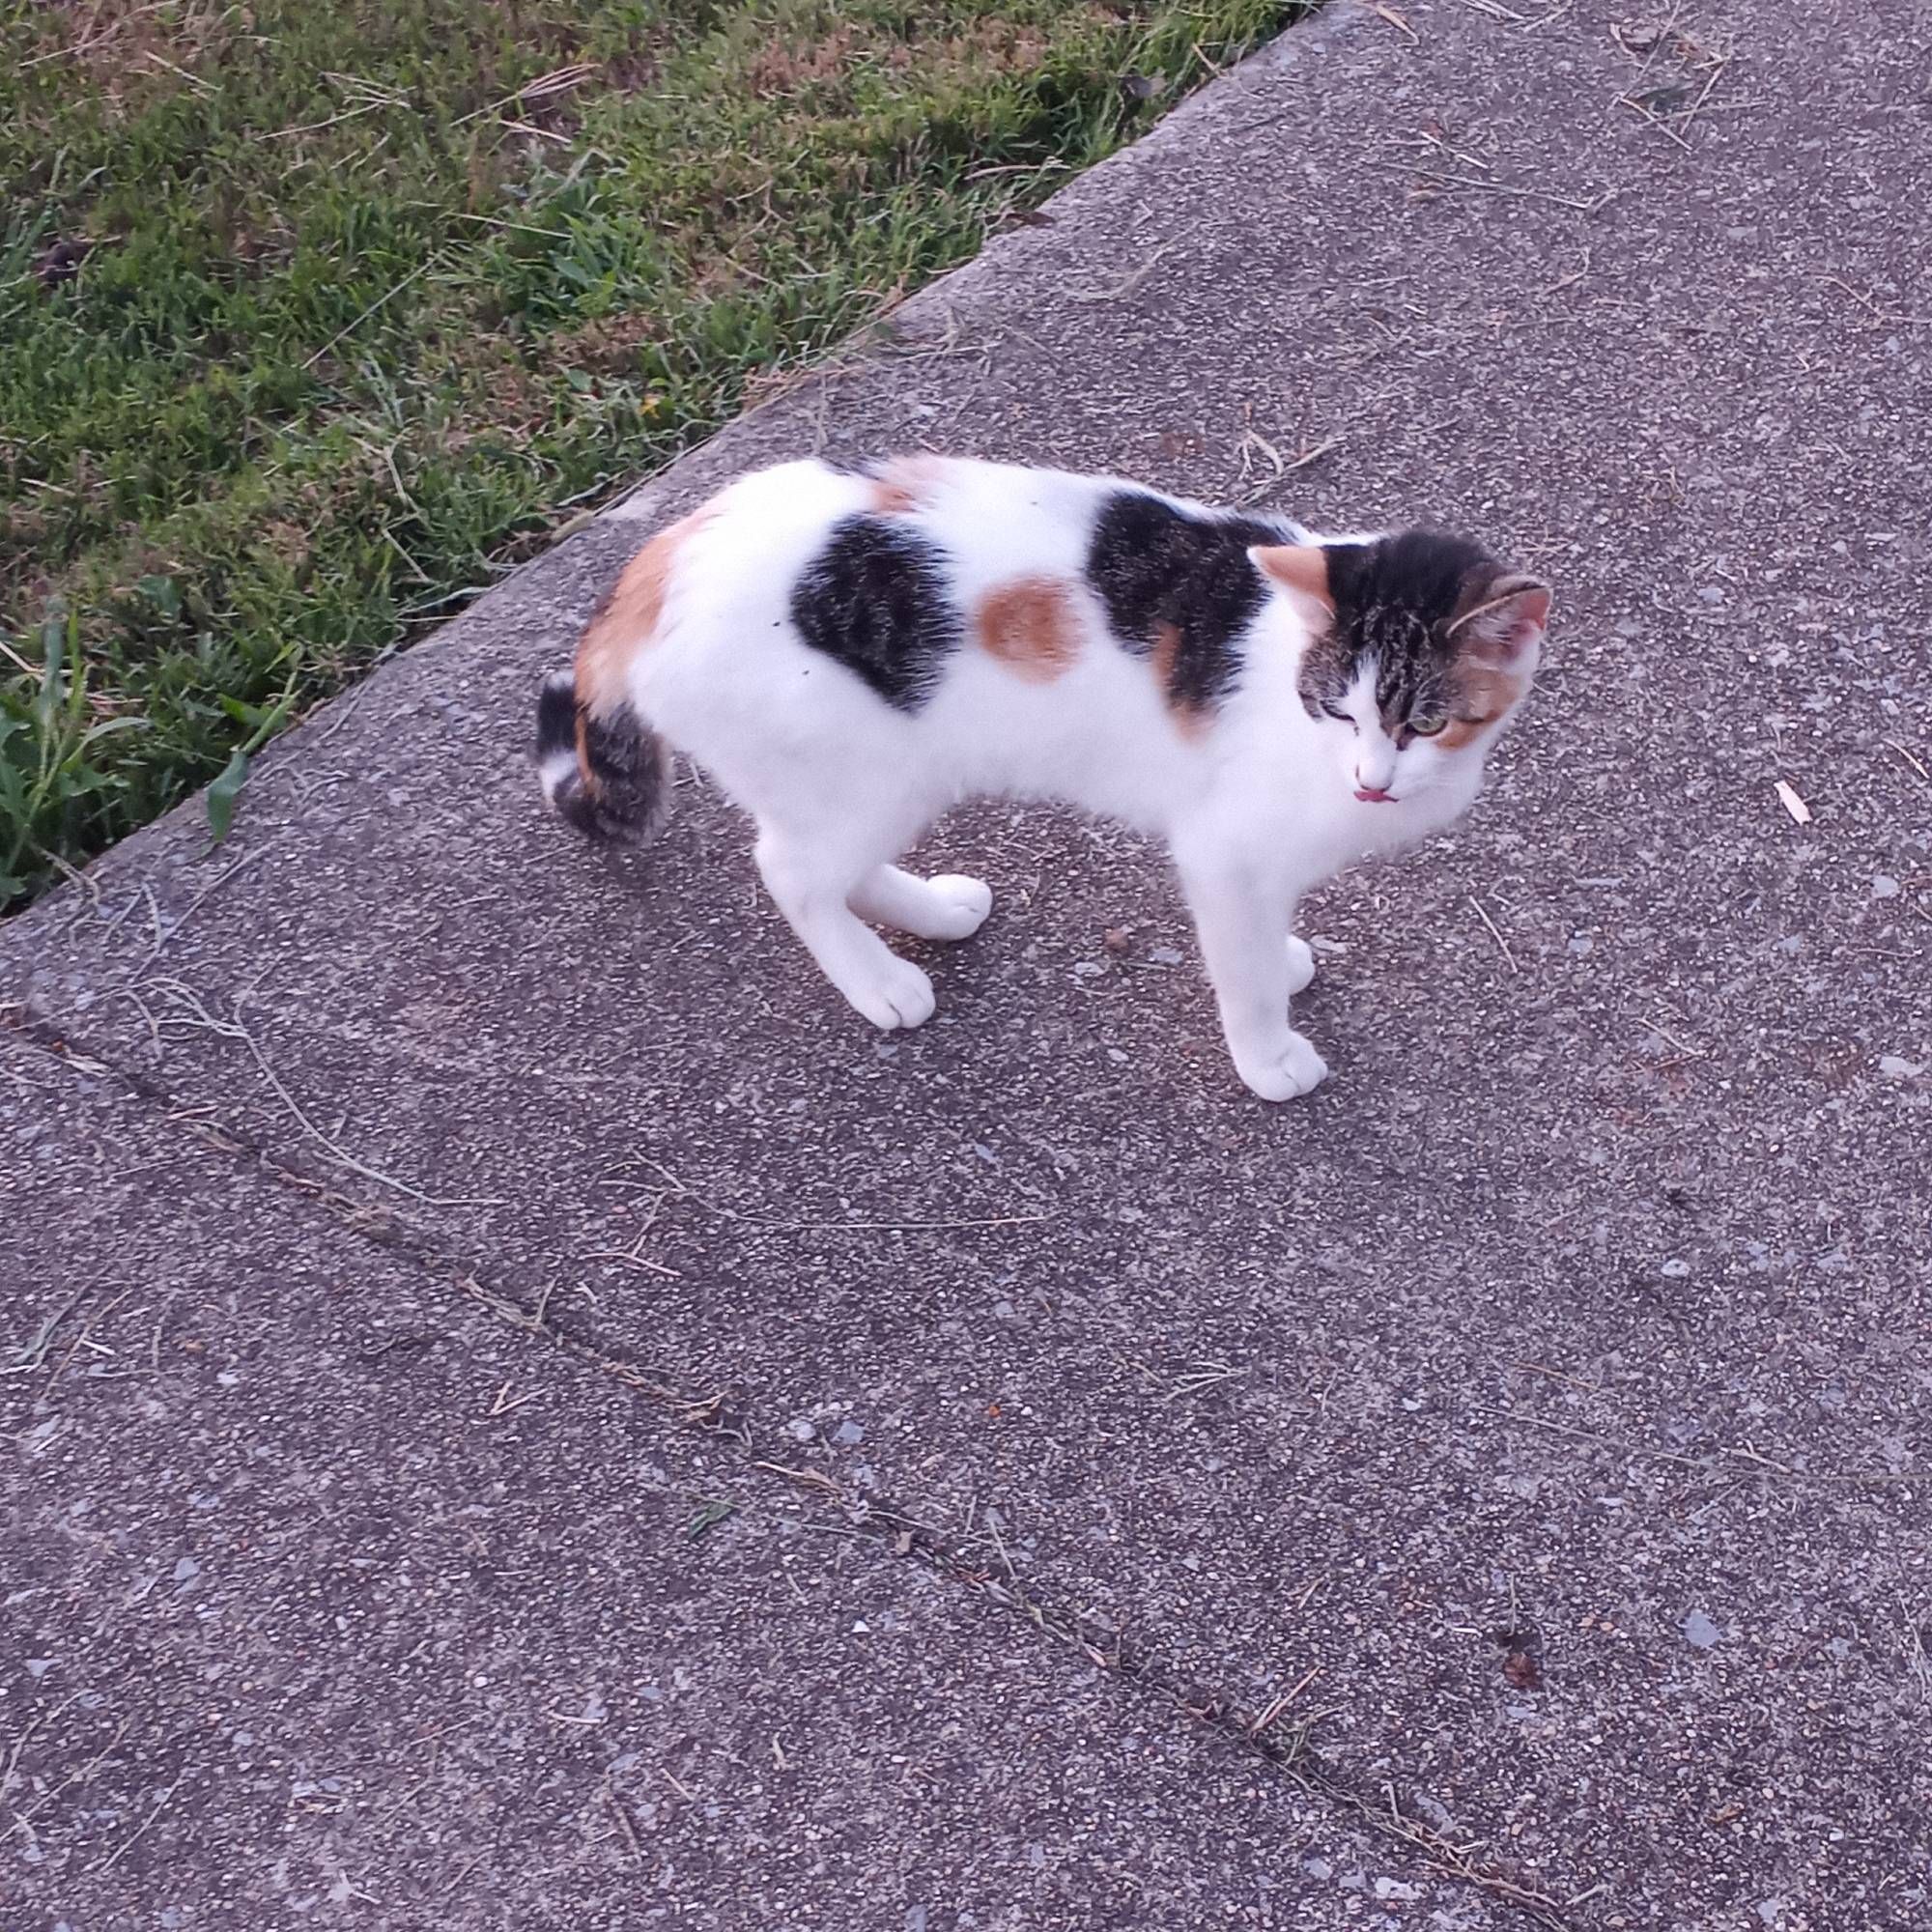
column 1505, row 624
column 1301, row 570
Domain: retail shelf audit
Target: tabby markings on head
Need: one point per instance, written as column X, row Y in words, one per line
column 1436, row 615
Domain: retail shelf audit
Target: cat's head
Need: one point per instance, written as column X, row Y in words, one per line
column 1419, row 647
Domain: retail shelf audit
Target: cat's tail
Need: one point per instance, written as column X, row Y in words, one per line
column 603, row 768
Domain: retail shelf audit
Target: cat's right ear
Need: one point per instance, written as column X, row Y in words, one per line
column 1505, row 625
column 1301, row 571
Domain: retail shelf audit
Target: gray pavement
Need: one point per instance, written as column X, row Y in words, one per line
column 1493, row 1492
column 329, row 1602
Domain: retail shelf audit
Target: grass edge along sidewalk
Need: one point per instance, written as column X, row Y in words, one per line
column 311, row 328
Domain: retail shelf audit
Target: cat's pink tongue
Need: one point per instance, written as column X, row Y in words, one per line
column 1370, row 796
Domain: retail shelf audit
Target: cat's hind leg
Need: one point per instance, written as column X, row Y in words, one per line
column 951, row 906
column 813, row 877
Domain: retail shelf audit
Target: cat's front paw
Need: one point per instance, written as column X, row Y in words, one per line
column 1300, row 965
column 1285, row 1074
column 899, row 995
column 959, row 905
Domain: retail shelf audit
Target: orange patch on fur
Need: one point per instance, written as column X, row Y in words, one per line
column 1187, row 720
column 1461, row 731
column 1483, row 696
column 903, row 485
column 1029, row 625
column 627, row 619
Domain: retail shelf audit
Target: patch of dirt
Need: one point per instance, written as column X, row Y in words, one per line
column 514, row 402
column 631, row 74
column 286, row 542
column 608, row 345
column 60, row 262
column 780, row 69
column 128, row 50
column 1005, row 46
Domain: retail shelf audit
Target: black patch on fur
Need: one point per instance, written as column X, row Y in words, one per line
column 876, row 600
column 1155, row 565
column 557, row 716
column 1396, row 598
column 626, row 799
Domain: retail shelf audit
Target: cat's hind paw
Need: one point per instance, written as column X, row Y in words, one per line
column 958, row 905
column 947, row 907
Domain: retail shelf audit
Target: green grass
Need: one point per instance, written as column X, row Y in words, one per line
column 316, row 318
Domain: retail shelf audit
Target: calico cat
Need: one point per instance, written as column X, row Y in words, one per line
column 848, row 652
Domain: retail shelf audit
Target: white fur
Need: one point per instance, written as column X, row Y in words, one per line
column 555, row 769
column 1257, row 807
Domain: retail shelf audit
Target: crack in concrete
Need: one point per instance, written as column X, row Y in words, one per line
column 893, row 1530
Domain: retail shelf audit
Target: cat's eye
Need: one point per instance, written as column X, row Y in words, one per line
column 1336, row 711
column 1429, row 724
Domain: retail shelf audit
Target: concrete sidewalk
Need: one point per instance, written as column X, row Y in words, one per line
column 524, row 1414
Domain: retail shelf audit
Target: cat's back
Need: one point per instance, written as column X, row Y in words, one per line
column 737, row 569
column 981, row 521
column 926, row 552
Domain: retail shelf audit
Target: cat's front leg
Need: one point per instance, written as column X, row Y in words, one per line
column 1240, row 906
